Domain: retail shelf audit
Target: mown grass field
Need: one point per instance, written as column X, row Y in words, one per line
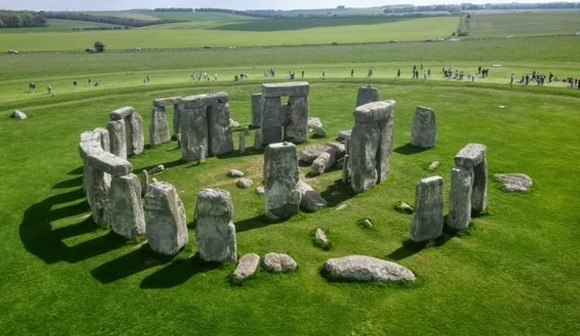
column 525, row 24
column 514, row 273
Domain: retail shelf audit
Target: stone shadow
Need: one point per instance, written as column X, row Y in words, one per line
column 166, row 165
column 410, row 248
column 40, row 239
column 257, row 222
column 178, row 272
column 409, row 149
column 337, row 193
column 77, row 171
column 75, row 182
column 129, row 264
column 250, row 151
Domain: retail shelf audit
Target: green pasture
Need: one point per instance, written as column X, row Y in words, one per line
column 208, row 33
column 525, row 24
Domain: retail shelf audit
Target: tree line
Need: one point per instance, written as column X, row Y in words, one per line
column 122, row 21
column 19, row 19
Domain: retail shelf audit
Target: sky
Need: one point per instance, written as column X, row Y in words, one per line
column 83, row 5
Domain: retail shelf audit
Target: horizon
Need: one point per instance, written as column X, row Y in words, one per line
column 96, row 5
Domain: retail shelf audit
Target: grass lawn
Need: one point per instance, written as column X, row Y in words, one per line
column 525, row 24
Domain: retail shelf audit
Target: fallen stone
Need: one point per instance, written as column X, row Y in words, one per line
column 341, row 207
column 19, row 115
column 247, row 267
column 310, row 153
column 365, row 223
column 338, row 147
column 234, row 124
column 317, row 126
column 514, row 182
column 323, row 162
column 404, row 207
column 360, row 268
column 321, row 239
column 434, row 165
column 343, row 136
column 311, row 200
column 279, row 263
column 244, row 183
column 235, row 173
column 214, row 230
column 156, row 170
column 260, row 191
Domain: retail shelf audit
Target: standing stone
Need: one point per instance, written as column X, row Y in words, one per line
column 159, row 128
column 194, row 132
column 424, row 128
column 176, row 119
column 97, row 185
column 136, row 138
column 281, row 180
column 296, row 126
column 105, row 140
column 243, row 133
column 214, row 230
column 367, row 94
column 271, row 123
column 479, row 194
column 220, row 136
column 127, row 218
column 317, row 126
column 460, row 198
column 256, row 109
column 144, row 182
column 118, row 138
column 371, row 144
column 257, row 140
column 165, row 219
column 345, row 169
column 202, row 155
column 428, row 216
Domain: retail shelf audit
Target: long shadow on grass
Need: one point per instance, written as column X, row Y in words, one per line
column 129, row 264
column 256, row 223
column 40, row 239
column 410, row 248
column 166, row 165
column 337, row 193
column 409, row 149
column 177, row 273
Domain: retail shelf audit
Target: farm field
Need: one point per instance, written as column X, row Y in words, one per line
column 514, row 272
column 525, row 24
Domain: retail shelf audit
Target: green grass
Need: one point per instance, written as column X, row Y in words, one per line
column 56, row 25
column 525, row 24
column 203, row 16
column 198, row 34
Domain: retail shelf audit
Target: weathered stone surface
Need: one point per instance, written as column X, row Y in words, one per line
column 118, row 138
column 257, row 139
column 460, row 198
column 341, row 207
column 144, row 182
column 159, row 127
column 311, row 200
column 122, row 113
column 202, row 153
column 19, row 115
column 344, row 135
column 471, row 155
column 296, row 125
column 404, row 207
column 371, row 144
column 220, row 137
column 256, row 109
column 194, row 132
column 204, row 100
column 281, row 180
column 310, row 153
column 105, row 140
column 214, row 230
column 243, row 134
column 272, row 121
column 93, row 154
column 97, row 185
column 247, row 267
column 479, row 193
column 177, row 121
column 424, row 130
column 321, row 238
column 157, row 169
column 367, row 94
column 279, row 263
column 127, row 217
column 317, row 126
column 136, row 137
column 234, row 124
column 165, row 219
column 345, row 169
column 323, row 162
column 235, row 173
column 428, row 216
column 285, row 89
column 338, row 147
column 161, row 102
column 364, row 269
column 244, row 183
column 514, row 182
column 434, row 165
column 260, row 191
column 365, row 223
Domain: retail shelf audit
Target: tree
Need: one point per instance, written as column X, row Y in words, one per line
column 99, row 46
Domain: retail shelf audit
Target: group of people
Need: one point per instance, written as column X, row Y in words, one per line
column 49, row 90
column 540, row 79
column 206, row 76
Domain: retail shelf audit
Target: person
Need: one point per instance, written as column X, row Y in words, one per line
column 302, row 73
column 370, row 72
column 512, row 80
column 90, row 82
column 100, row 82
column 351, row 73
column 49, row 89
column 399, row 73
column 323, row 74
column 31, row 87
column 75, row 84
column 215, row 76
